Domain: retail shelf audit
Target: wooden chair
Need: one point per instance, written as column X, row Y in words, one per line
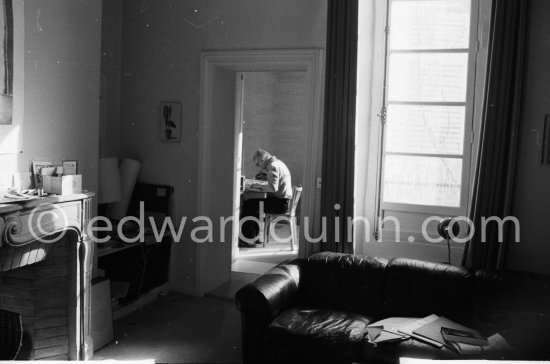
column 11, row 334
column 290, row 215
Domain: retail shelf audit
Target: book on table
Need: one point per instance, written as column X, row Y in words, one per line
column 471, row 337
column 495, row 343
column 433, row 331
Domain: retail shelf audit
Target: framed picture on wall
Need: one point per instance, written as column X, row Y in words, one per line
column 170, row 121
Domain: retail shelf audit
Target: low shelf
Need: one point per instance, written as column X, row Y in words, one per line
column 142, row 266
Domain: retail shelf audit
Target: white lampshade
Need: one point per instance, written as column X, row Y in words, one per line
column 129, row 170
column 110, row 188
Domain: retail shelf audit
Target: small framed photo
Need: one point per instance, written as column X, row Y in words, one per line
column 37, row 167
column 170, row 121
column 70, row 167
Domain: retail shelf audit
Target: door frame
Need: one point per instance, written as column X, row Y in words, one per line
column 214, row 63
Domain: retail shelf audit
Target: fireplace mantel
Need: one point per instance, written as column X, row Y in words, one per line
column 29, row 234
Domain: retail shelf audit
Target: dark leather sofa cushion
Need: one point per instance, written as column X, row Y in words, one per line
column 319, row 332
column 344, row 282
column 526, row 332
column 273, row 291
column 516, row 305
column 416, row 288
column 510, row 290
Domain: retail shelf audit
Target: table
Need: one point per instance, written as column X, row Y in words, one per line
column 249, row 194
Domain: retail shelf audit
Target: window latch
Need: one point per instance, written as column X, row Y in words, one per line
column 382, row 115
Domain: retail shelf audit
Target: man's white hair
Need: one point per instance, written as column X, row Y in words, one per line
column 261, row 155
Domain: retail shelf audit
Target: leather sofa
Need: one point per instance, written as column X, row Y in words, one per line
column 316, row 309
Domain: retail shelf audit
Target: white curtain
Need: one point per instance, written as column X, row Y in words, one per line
column 366, row 79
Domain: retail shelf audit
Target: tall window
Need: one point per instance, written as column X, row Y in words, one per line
column 427, row 109
column 6, row 62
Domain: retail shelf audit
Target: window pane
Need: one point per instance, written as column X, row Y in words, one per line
column 425, row 129
column 428, row 77
column 430, row 24
column 422, row 180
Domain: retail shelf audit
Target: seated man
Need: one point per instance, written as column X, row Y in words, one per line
column 278, row 189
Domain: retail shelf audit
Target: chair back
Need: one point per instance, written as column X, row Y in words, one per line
column 296, row 193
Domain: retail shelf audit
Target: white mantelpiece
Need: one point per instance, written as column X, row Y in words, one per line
column 31, row 253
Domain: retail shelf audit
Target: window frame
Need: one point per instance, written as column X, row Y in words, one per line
column 477, row 60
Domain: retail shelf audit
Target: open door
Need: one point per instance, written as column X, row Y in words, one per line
column 238, row 163
column 221, row 151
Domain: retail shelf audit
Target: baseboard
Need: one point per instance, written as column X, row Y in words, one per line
column 184, row 287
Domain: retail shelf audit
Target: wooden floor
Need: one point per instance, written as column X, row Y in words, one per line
column 178, row 329
column 260, row 259
column 185, row 329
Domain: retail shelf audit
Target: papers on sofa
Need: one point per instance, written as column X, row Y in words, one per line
column 432, row 330
column 409, row 330
column 384, row 336
column 385, row 331
column 429, row 330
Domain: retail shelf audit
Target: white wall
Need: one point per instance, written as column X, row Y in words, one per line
column 161, row 44
column 58, row 118
column 532, row 190
column 276, row 119
column 111, row 67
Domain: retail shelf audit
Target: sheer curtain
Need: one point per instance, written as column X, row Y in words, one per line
column 339, row 124
column 495, row 170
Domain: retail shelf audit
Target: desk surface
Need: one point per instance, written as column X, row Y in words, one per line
column 248, row 194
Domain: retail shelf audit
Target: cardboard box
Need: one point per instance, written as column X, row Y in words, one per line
column 64, row 185
column 102, row 314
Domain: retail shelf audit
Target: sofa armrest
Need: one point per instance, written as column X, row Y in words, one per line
column 261, row 301
column 272, row 292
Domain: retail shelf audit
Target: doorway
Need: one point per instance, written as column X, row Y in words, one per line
column 219, row 162
column 274, row 116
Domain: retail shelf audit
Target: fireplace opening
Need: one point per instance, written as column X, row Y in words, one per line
column 41, row 292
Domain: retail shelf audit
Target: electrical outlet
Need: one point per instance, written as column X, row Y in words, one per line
column 318, row 182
